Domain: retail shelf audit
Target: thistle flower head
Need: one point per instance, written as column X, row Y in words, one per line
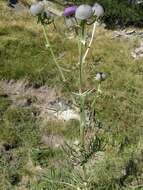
column 100, row 76
column 70, row 11
column 37, row 8
column 98, row 10
column 84, row 12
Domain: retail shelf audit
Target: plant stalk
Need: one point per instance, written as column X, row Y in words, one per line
column 82, row 99
column 52, row 53
column 82, row 38
column 82, row 121
column 82, row 58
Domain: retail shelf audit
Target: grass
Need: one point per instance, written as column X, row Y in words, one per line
column 25, row 163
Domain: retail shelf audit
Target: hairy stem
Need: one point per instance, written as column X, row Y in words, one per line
column 52, row 53
column 81, row 40
column 82, row 120
column 82, row 105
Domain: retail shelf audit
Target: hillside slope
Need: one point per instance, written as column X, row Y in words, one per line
column 31, row 156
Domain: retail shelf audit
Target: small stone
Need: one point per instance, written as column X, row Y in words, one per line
column 67, row 115
column 138, row 52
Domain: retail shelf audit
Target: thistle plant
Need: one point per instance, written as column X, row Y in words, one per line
column 45, row 18
column 100, row 77
column 80, row 17
column 86, row 15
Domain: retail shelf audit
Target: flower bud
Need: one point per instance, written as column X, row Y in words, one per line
column 100, row 76
column 98, row 10
column 84, row 12
column 37, row 8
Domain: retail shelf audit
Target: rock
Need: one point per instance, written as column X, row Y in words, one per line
column 130, row 32
column 67, row 115
column 19, row 7
column 123, row 34
column 51, row 105
column 138, row 52
column 127, row 34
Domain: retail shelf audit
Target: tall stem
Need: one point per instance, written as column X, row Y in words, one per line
column 82, row 99
column 82, row 120
column 82, row 38
column 52, row 53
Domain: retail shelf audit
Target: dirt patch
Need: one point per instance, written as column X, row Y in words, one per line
column 48, row 101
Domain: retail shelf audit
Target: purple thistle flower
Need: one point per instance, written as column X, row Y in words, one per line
column 70, row 11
